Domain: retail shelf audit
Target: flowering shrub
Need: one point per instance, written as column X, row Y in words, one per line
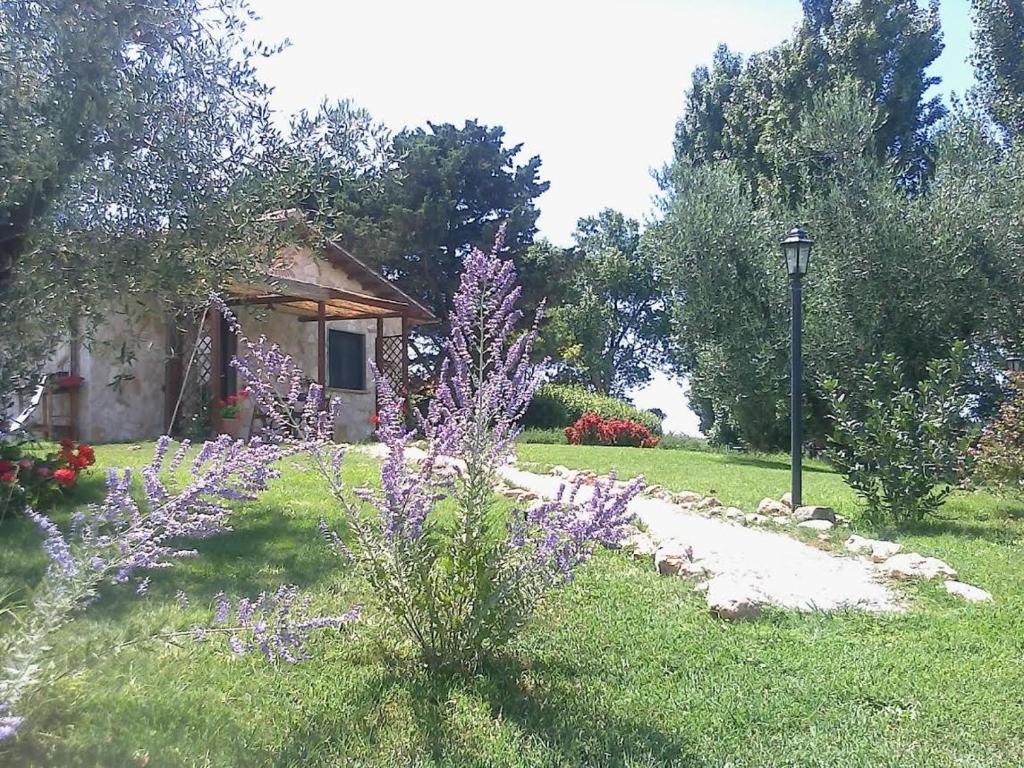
column 30, row 480
column 903, row 449
column 229, row 406
column 591, row 429
column 456, row 572
column 112, row 542
column 1000, row 451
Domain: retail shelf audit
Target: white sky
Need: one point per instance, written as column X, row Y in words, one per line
column 592, row 86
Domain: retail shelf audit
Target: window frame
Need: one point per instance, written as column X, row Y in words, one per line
column 361, row 367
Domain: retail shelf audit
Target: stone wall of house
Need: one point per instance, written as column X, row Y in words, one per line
column 119, row 400
column 299, row 339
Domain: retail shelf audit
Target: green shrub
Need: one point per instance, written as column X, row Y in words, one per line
column 673, row 441
column 1000, row 451
column 556, row 406
column 542, row 436
column 902, row 448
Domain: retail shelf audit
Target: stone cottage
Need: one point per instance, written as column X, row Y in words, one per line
column 325, row 307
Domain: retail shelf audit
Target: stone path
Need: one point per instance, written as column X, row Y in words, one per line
column 777, row 568
column 743, row 568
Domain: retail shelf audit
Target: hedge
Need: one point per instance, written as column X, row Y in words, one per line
column 556, row 406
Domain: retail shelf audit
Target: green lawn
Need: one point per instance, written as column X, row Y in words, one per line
column 621, row 668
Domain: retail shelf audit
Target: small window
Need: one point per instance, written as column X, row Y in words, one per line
column 347, row 355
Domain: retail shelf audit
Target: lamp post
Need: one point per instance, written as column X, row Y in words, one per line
column 1014, row 364
column 796, row 246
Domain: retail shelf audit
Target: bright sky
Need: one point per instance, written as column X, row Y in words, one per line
column 592, row 86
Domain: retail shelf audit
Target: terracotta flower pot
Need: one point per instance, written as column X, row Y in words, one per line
column 233, row 426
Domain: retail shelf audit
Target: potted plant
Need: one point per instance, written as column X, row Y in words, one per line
column 234, row 414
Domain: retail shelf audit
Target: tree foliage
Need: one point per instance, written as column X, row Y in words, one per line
column 893, row 271
column 136, row 153
column 748, row 112
column 999, row 65
column 605, row 332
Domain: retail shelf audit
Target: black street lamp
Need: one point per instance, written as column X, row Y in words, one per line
column 1014, row 364
column 796, row 245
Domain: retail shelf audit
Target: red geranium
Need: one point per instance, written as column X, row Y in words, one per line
column 8, row 477
column 6, row 466
column 65, row 476
column 375, row 420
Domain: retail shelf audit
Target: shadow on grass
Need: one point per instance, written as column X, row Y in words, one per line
column 570, row 732
column 763, row 462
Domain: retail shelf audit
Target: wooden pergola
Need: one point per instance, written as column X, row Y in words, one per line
column 316, row 302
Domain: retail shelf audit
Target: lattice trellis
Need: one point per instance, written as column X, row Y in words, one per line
column 193, row 412
column 389, row 360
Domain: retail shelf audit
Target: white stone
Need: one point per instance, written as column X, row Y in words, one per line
column 781, row 520
column 879, row 551
column 640, row 544
column 770, row 507
column 755, row 519
column 734, row 599
column 686, row 497
column 787, row 500
column 968, row 592
column 814, row 513
column 672, row 557
column 732, row 513
column 559, row 471
column 708, row 503
column 815, row 525
column 911, row 565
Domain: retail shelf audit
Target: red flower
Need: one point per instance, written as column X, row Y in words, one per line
column 65, row 477
column 65, row 443
column 243, row 393
column 44, row 471
column 6, row 466
column 26, row 463
column 8, row 477
column 375, row 420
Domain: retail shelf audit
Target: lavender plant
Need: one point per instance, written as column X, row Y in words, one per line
column 114, row 541
column 456, row 569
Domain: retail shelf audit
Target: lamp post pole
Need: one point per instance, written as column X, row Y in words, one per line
column 796, row 246
column 796, row 392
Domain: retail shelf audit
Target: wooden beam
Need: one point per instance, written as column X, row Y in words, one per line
column 313, row 292
column 363, row 316
column 405, row 365
column 378, row 361
column 264, row 300
column 321, row 344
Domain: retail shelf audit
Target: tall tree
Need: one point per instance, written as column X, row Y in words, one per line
column 998, row 43
column 748, row 112
column 448, row 190
column 893, row 271
column 136, row 151
column 606, row 330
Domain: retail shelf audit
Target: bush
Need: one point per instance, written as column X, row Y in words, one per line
column 542, row 436
column 902, row 449
column 556, row 406
column 29, row 480
column 457, row 570
column 591, row 429
column 673, row 441
column 1000, row 451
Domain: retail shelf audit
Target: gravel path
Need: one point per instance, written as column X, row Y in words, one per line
column 777, row 568
column 784, row 571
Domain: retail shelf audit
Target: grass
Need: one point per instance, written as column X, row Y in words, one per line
column 622, row 668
